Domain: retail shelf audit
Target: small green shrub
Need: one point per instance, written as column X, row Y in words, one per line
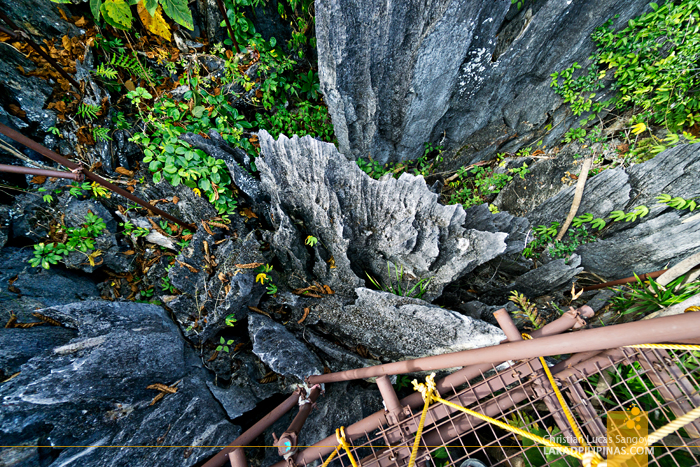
column 306, row 119
column 651, row 61
column 78, row 239
column 644, row 297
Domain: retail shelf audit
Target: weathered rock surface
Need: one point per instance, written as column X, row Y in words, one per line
column 213, row 286
column 363, row 225
column 92, row 391
column 402, row 327
column 554, row 275
column 451, row 72
column 280, row 350
column 647, row 244
column 24, row 289
column 189, row 207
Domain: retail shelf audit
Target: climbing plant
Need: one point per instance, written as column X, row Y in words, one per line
column 651, row 63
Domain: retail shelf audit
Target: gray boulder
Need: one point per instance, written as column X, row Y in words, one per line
column 401, row 327
column 93, row 391
column 472, row 76
column 280, row 350
column 363, row 225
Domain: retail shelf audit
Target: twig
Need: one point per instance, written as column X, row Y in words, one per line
column 577, row 196
column 678, row 270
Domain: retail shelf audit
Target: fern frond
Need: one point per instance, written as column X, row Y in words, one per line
column 105, row 71
column 129, row 63
column 88, row 111
column 101, row 134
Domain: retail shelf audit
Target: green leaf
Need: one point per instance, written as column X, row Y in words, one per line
column 179, row 12
column 222, row 340
column 117, row 13
column 95, row 8
column 664, row 198
column 198, row 111
column 598, row 223
column 641, row 211
column 617, row 216
column 151, row 6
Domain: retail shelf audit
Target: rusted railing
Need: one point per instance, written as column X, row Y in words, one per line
column 78, row 168
column 79, row 177
column 520, row 394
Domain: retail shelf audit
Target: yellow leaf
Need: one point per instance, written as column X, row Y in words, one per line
column 156, row 24
column 638, row 128
column 197, row 192
column 262, row 277
column 94, row 255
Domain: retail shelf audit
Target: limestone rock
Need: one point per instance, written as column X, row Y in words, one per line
column 472, row 76
column 363, row 225
column 280, row 350
column 92, row 390
column 401, row 327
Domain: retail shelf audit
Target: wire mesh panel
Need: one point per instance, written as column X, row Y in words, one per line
column 662, row 383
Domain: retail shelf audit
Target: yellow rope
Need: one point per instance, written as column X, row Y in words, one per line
column 665, row 346
column 426, row 391
column 340, row 436
column 562, row 402
column 429, row 393
column 589, row 458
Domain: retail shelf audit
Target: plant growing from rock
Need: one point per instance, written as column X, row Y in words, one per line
column 649, row 61
column 223, row 345
column 644, row 297
column 78, row 239
column 527, row 309
column 417, row 291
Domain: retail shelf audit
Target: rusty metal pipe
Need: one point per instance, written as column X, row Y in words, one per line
column 46, row 152
column 222, row 10
column 237, row 458
column 19, row 34
column 571, row 319
column 668, row 328
column 377, row 419
column 391, row 400
column 626, row 280
column 254, row 431
column 287, row 443
column 42, row 172
column 505, row 322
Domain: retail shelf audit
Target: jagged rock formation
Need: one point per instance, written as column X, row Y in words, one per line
column 402, row 327
column 470, row 75
column 212, row 286
column 363, row 225
column 92, row 390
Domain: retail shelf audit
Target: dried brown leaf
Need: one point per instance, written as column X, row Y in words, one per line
column 162, row 388
column 46, row 319
column 123, row 171
column 258, row 310
column 306, row 313
column 249, row 265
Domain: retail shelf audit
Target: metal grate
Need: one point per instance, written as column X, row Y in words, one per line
column 664, row 383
